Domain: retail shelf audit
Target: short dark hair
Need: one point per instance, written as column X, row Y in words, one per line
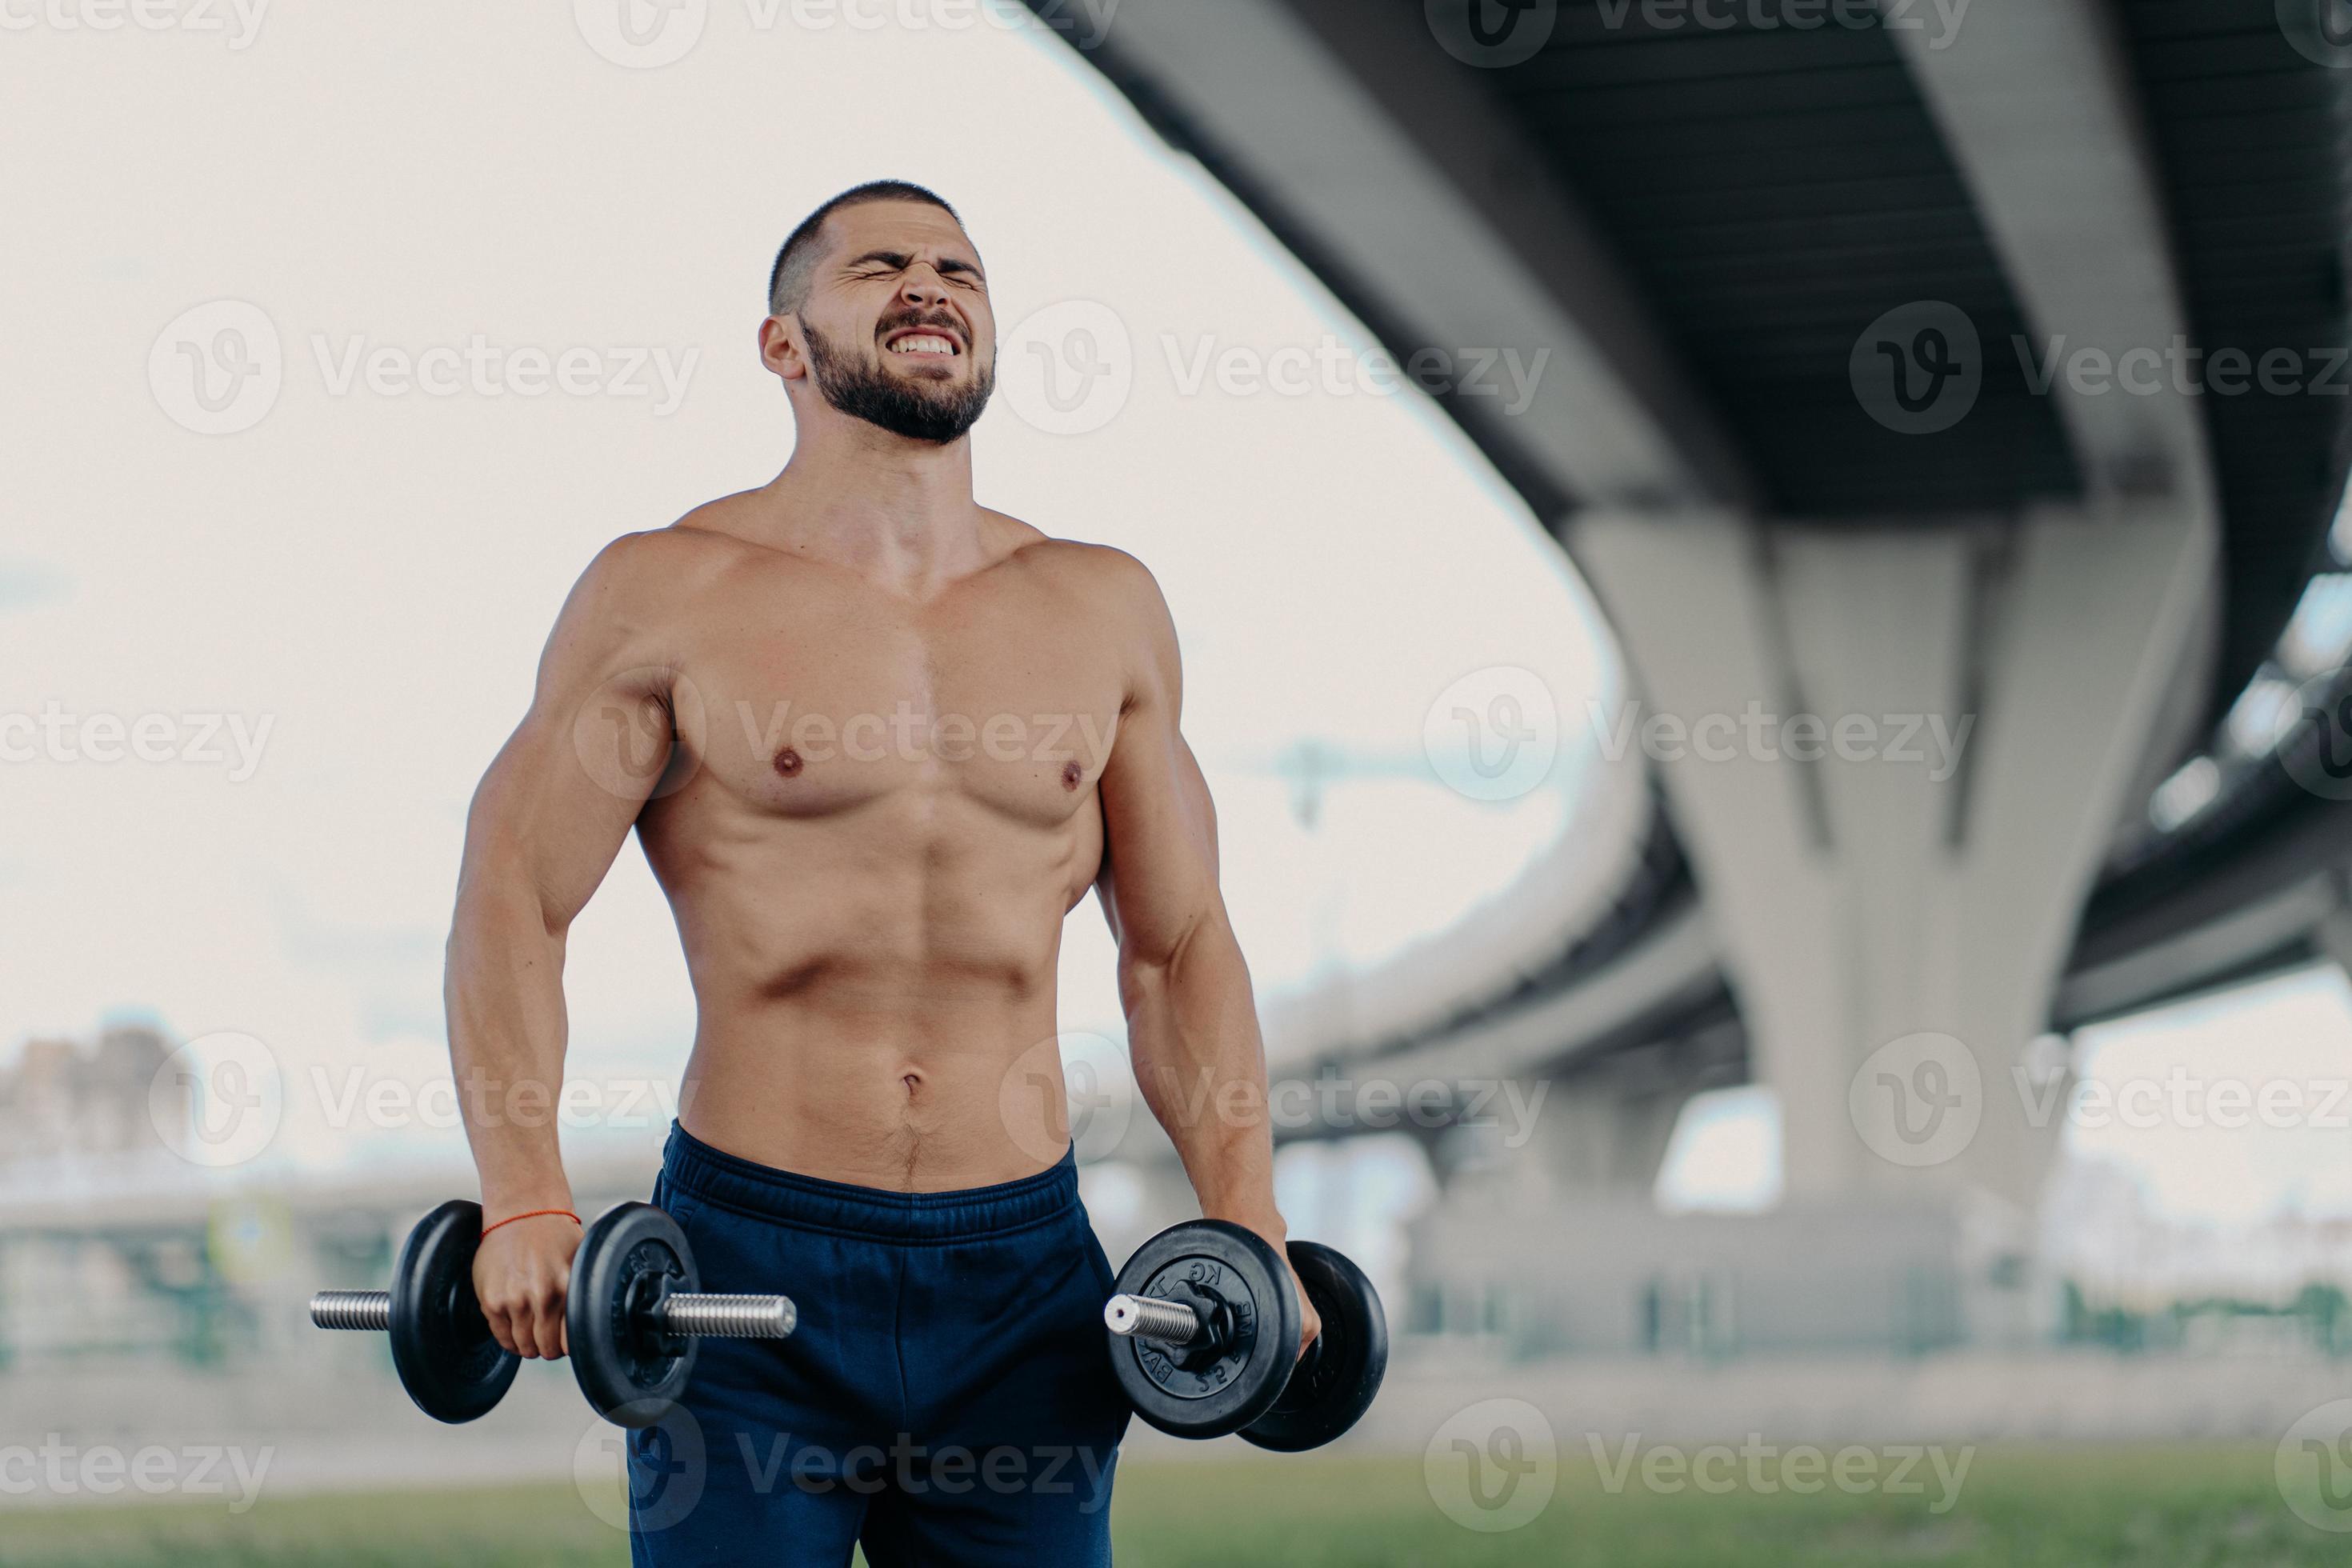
column 788, row 279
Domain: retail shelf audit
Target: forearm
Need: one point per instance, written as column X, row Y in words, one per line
column 503, row 988
column 1200, row 1060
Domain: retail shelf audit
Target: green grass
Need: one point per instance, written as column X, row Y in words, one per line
column 2067, row 1507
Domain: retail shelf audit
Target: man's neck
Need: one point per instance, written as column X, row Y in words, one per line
column 897, row 512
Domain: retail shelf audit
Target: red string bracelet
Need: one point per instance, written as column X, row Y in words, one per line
column 534, row 1214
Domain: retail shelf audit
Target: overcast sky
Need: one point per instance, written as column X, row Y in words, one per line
column 355, row 573
column 321, row 587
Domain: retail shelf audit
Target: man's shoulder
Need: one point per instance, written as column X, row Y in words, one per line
column 1099, row 570
column 683, row 556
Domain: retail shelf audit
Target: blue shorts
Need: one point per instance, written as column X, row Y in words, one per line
column 945, row 1399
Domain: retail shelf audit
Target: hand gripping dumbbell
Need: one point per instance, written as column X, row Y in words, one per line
column 1204, row 1338
column 633, row 1319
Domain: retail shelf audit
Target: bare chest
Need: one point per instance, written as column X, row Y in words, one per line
column 828, row 708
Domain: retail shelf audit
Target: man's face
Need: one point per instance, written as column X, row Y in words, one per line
column 899, row 327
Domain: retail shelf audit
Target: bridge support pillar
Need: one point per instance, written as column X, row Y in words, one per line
column 1897, row 759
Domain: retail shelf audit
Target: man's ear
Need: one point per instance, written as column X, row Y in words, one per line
column 781, row 348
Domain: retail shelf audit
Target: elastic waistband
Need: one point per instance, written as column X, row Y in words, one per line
column 716, row 1176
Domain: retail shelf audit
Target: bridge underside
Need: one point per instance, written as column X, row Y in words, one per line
column 1708, row 230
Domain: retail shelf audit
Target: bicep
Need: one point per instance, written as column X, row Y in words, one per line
column 1159, row 824
column 558, row 801
column 1159, row 829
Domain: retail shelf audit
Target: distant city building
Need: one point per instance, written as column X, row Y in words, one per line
column 63, row 1099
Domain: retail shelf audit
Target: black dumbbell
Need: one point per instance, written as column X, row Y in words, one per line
column 634, row 1316
column 1204, row 1338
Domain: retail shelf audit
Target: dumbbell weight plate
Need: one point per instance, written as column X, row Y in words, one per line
column 442, row 1345
column 631, row 1375
column 1192, row 1394
column 1334, row 1386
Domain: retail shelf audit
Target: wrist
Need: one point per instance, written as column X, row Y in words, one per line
column 1260, row 1217
column 501, row 1202
column 520, row 1218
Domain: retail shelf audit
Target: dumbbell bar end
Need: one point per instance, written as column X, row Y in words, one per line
column 728, row 1317
column 1152, row 1318
column 352, row 1309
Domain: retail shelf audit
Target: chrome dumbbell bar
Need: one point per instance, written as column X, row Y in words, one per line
column 710, row 1317
column 1152, row 1318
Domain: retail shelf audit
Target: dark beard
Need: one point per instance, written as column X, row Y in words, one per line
column 864, row 390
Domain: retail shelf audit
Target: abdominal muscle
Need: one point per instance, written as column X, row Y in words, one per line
column 880, row 1016
column 874, row 1102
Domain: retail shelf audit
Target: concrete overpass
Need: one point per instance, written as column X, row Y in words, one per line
column 1905, row 361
